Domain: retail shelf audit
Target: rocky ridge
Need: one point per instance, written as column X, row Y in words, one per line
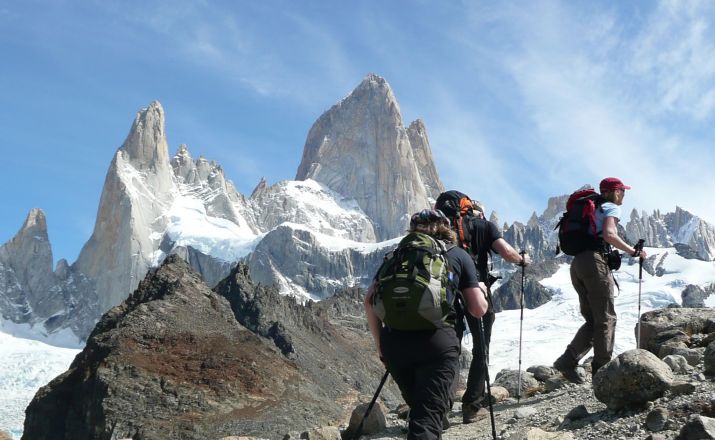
column 174, row 361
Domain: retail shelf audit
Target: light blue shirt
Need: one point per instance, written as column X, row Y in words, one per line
column 607, row 209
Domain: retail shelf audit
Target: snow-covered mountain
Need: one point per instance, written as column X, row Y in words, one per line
column 311, row 236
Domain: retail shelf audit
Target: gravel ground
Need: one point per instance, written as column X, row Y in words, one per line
column 548, row 412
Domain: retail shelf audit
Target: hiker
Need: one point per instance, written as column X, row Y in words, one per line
column 483, row 237
column 592, row 279
column 425, row 363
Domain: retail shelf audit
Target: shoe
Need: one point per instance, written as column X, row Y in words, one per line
column 568, row 370
column 471, row 413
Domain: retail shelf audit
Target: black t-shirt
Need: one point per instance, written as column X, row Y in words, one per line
column 464, row 273
column 484, row 234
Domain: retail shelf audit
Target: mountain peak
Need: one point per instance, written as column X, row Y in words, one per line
column 361, row 149
column 146, row 144
column 35, row 224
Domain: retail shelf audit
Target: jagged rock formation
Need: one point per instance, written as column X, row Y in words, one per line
column 138, row 189
column 678, row 227
column 34, row 294
column 205, row 181
column 361, row 149
column 172, row 361
column 303, row 263
column 508, row 295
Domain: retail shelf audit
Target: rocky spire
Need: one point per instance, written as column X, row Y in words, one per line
column 361, row 149
column 417, row 133
column 138, row 189
column 29, row 256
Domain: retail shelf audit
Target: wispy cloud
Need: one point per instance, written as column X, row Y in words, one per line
column 583, row 101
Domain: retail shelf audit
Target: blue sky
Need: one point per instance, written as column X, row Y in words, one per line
column 522, row 100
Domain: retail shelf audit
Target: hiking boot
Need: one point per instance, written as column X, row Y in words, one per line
column 471, row 413
column 568, row 370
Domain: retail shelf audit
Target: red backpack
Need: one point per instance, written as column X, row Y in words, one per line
column 577, row 227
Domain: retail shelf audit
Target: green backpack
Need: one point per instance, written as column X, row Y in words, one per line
column 414, row 290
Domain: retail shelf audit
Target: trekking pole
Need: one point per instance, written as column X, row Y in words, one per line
column 639, row 247
column 358, row 431
column 521, row 321
column 483, row 348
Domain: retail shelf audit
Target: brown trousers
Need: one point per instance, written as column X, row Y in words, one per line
column 593, row 282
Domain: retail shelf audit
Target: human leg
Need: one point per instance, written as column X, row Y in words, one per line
column 600, row 287
column 432, row 391
column 476, row 380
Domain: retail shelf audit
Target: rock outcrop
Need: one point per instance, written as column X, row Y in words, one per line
column 173, row 361
column 361, row 149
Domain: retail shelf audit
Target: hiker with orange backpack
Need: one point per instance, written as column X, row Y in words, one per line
column 587, row 231
column 480, row 238
column 411, row 315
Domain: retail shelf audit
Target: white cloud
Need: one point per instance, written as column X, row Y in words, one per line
column 586, row 109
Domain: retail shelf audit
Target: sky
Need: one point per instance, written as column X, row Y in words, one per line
column 522, row 100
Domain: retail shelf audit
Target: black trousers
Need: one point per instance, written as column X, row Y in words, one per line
column 424, row 365
column 476, row 382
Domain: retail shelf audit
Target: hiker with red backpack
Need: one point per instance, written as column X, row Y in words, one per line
column 587, row 231
column 410, row 308
column 480, row 238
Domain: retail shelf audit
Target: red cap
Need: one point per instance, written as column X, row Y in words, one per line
column 612, row 184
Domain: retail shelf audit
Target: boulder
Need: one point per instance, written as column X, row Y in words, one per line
column 542, row 372
column 632, row 379
column 677, row 363
column 698, row 428
column 709, row 358
column 322, row 433
column 509, row 379
column 688, row 321
column 375, row 422
column 656, row 419
column 692, row 355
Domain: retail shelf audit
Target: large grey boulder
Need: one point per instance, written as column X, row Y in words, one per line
column 361, row 149
column 632, row 379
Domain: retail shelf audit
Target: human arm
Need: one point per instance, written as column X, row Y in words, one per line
column 475, row 299
column 508, row 253
column 610, row 236
column 373, row 321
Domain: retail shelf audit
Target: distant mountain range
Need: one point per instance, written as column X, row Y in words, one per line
column 362, row 174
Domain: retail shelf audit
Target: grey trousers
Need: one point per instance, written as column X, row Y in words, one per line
column 593, row 282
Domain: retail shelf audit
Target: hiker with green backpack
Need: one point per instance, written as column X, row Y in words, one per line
column 412, row 318
column 587, row 231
